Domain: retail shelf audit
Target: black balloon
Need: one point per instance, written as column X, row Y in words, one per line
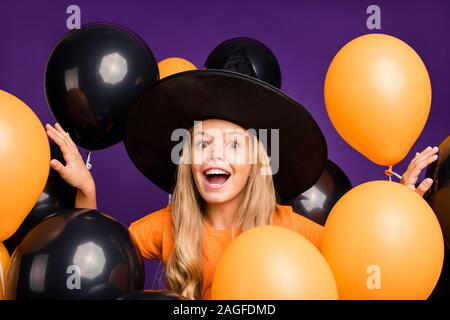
column 438, row 196
column 57, row 195
column 75, row 254
column 247, row 56
column 152, row 295
column 92, row 77
column 317, row 202
column 442, row 289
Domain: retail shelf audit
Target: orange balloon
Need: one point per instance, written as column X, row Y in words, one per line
column 4, row 263
column 24, row 162
column 272, row 263
column 170, row 66
column 378, row 96
column 383, row 241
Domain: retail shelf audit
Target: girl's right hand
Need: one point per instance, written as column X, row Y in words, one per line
column 74, row 172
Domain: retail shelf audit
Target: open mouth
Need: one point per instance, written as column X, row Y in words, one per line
column 215, row 178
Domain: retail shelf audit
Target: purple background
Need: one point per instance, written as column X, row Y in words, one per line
column 304, row 35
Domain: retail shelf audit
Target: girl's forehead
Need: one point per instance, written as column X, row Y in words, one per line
column 213, row 127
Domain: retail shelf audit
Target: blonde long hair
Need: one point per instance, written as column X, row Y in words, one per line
column 184, row 274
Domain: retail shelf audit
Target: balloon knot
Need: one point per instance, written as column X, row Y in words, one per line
column 389, row 172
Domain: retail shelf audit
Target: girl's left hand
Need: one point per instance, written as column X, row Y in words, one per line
column 420, row 162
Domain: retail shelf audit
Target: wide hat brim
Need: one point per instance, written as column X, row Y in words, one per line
column 180, row 100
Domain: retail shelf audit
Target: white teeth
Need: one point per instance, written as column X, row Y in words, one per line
column 216, row 171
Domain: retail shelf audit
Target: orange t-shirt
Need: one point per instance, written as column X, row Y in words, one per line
column 154, row 238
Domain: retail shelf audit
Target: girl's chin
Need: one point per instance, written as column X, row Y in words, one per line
column 216, row 199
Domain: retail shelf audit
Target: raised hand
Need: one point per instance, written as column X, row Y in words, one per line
column 74, row 172
column 420, row 162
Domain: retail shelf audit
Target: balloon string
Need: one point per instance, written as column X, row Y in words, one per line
column 389, row 172
column 170, row 198
column 88, row 160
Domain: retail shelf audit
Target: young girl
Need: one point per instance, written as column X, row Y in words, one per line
column 222, row 184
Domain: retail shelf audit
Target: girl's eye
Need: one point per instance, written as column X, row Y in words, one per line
column 234, row 145
column 202, row 145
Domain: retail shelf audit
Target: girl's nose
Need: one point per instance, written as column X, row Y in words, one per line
column 212, row 157
column 216, row 152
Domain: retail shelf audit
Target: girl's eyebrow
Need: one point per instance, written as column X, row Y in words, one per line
column 207, row 136
column 234, row 132
column 200, row 133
